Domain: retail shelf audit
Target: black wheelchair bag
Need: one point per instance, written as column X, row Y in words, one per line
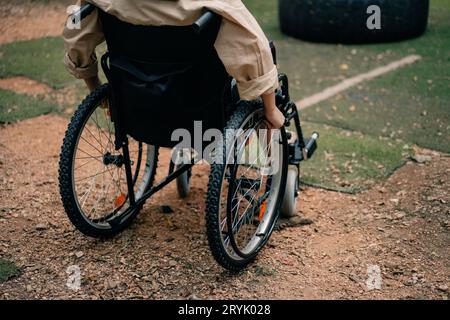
column 163, row 79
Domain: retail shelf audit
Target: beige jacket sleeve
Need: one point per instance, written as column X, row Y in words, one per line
column 245, row 52
column 241, row 43
column 80, row 58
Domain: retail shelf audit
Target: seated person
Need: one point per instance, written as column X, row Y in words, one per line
column 241, row 44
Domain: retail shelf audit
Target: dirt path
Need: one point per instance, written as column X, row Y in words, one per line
column 26, row 20
column 401, row 226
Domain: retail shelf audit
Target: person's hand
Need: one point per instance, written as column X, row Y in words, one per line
column 93, row 83
column 274, row 117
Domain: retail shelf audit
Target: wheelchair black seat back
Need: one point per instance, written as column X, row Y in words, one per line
column 164, row 78
column 161, row 79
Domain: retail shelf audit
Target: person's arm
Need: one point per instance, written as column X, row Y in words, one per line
column 245, row 52
column 93, row 83
column 80, row 44
column 273, row 115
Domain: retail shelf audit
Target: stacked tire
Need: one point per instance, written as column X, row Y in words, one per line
column 346, row 21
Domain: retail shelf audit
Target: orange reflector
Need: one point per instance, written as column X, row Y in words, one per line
column 249, row 141
column 120, row 200
column 262, row 210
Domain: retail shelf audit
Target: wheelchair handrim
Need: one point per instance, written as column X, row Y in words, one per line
column 265, row 227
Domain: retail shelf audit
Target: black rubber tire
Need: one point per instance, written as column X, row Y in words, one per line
column 213, row 230
column 288, row 208
column 65, row 170
column 345, row 21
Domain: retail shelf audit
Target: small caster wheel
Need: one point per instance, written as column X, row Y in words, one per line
column 288, row 206
column 183, row 181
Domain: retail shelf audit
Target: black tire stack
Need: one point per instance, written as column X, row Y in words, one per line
column 345, row 21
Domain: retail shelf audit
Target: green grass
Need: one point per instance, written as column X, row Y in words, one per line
column 8, row 270
column 412, row 103
column 386, row 111
column 15, row 107
column 350, row 161
column 312, row 67
column 266, row 12
column 403, row 105
column 40, row 59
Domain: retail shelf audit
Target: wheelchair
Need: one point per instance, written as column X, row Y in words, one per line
column 109, row 155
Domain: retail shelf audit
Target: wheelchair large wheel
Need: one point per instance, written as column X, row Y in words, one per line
column 92, row 176
column 246, row 188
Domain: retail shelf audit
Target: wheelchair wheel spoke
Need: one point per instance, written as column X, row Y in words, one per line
column 91, row 176
column 93, row 157
column 93, row 136
column 99, row 128
column 87, row 162
column 88, row 154
column 91, row 184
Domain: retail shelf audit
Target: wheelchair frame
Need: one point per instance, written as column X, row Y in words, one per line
column 298, row 151
column 237, row 113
